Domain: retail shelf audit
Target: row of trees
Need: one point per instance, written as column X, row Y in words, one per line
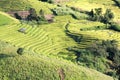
column 33, row 16
column 107, row 17
column 97, row 15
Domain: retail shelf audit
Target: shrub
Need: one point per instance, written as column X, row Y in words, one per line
column 96, row 15
column 17, row 16
column 115, row 26
column 33, row 15
column 51, row 1
column 20, row 51
column 62, row 11
column 117, row 2
column 108, row 16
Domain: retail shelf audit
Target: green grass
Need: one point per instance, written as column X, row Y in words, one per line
column 12, row 5
column 38, row 5
column 8, row 5
column 4, row 20
column 32, row 66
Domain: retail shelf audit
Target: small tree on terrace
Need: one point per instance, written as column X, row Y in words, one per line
column 42, row 16
column 33, row 15
column 108, row 16
column 96, row 15
column 41, row 12
column 32, row 12
column 20, row 51
column 17, row 16
column 91, row 13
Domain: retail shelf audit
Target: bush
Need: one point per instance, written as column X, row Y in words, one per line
column 108, row 16
column 17, row 16
column 96, row 15
column 117, row 2
column 50, row 1
column 115, row 26
column 62, row 11
column 20, row 51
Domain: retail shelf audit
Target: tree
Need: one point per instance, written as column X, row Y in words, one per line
column 20, row 51
column 51, row 1
column 41, row 12
column 42, row 16
column 33, row 15
column 96, row 15
column 118, row 71
column 114, row 26
column 108, row 16
column 32, row 12
column 17, row 16
column 91, row 13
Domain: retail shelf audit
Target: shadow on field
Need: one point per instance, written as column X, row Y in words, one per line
column 5, row 55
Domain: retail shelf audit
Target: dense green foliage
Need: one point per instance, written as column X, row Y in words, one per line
column 108, row 16
column 96, row 15
column 117, row 2
column 17, row 16
column 115, row 26
column 34, row 17
column 99, row 56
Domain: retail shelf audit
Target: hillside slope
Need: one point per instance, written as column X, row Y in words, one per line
column 9, row 5
column 21, row 5
column 46, row 56
column 5, row 19
column 32, row 66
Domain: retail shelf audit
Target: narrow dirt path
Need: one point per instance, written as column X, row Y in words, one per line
column 61, row 74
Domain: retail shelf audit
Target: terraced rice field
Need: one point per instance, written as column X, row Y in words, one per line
column 104, row 35
column 90, row 37
column 45, row 6
column 36, row 39
column 91, row 4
